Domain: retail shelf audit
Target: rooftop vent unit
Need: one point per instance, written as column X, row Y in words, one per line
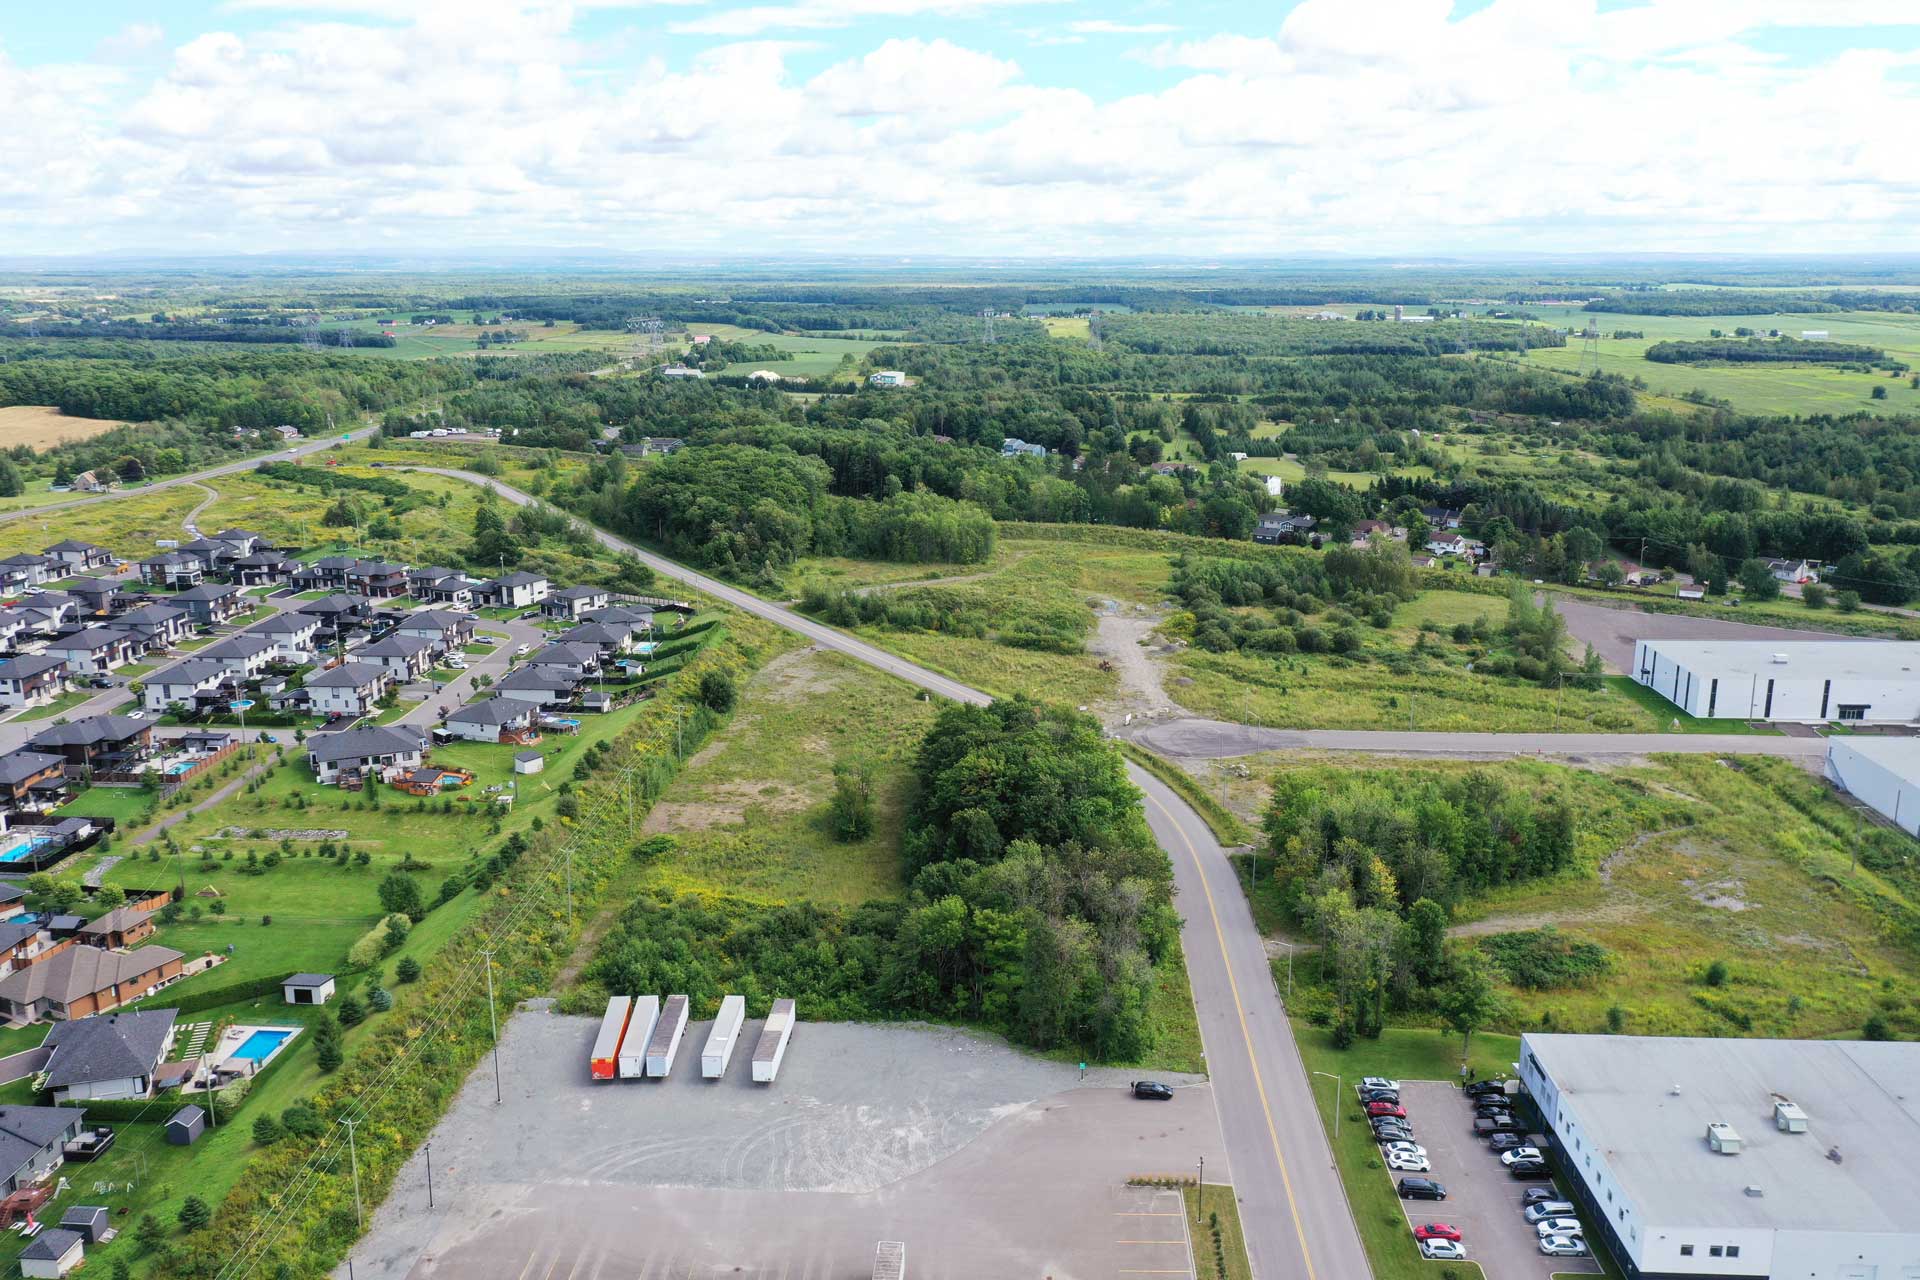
column 1754, row 1190
column 1788, row 1117
column 1722, row 1138
column 1780, row 659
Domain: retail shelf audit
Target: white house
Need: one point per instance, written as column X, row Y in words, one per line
column 295, row 636
column 155, row 626
column 486, row 721
column 403, row 657
column 573, row 603
column 538, row 686
column 1730, row 1157
column 350, row 689
column 79, row 557
column 1794, row 570
column 1447, row 545
column 573, row 660
column 244, row 656
column 111, row 1055
column 1873, row 681
column 55, row 1251
column 518, row 590
column 445, row 630
column 182, row 682
column 94, row 651
column 32, row 680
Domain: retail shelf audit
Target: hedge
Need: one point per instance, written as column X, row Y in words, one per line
column 213, row 997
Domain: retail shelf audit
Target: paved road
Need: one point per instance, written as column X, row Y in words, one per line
column 1197, row 739
column 462, row 690
column 193, row 477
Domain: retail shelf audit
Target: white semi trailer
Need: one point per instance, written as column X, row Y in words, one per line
column 720, row 1041
column 633, row 1050
column 772, row 1046
column 665, row 1042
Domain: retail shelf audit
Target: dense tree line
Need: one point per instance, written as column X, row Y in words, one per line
column 1234, row 333
column 1751, row 302
column 234, row 331
column 1038, row 903
column 1767, row 351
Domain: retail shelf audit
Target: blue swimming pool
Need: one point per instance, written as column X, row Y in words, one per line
column 261, row 1045
column 562, row 722
column 24, row 848
column 180, row 767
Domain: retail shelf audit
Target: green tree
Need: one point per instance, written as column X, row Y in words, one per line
column 1876, row 1028
column 327, row 1055
column 1425, row 939
column 350, row 1010
column 10, row 483
column 408, row 970
column 148, row 1234
column 1716, row 974
column 1815, row 596
column 268, row 1130
column 1847, row 601
column 1470, row 999
column 400, row 893
column 1616, row 1019
column 1757, row 580
column 850, row 812
column 120, row 1270
column 717, row 691
column 194, row 1214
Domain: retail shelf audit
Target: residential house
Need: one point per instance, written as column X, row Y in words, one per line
column 242, row 542
column 189, row 682
column 1367, row 530
column 573, row 603
column 97, row 743
column 48, row 611
column 295, row 636
column 31, row 782
column 32, row 680
column 210, row 605
column 32, row 1141
column 329, row 573
column 404, row 658
column 377, row 579
column 420, row 580
column 888, row 378
column 113, row 1056
column 205, row 742
column 13, row 628
column 680, row 371
column 1015, row 447
column 93, row 482
column 155, row 626
column 540, row 686
column 445, row 630
column 174, row 569
column 12, row 900
column 356, row 752
column 456, row 591
column 212, row 554
column 1801, row 571
column 82, row 980
column 637, row 619
column 1282, row 526
column 262, row 569
column 350, row 689
column 95, row 651
column 608, row 638
column 97, row 596
column 25, row 571
column 518, row 590
column 1441, row 517
column 79, row 557
column 243, row 656
column 118, row 929
column 575, row 660
column 488, row 721
column 337, row 615
column 22, row 941
column 1446, row 544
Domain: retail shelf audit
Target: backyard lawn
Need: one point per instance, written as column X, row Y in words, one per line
column 58, row 707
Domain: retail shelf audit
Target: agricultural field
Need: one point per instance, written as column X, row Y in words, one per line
column 813, row 357
column 415, row 342
column 1708, row 896
column 39, row 426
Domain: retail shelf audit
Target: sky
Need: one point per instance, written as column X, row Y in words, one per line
column 902, row 128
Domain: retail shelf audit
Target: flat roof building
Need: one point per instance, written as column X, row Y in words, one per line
column 1872, row 681
column 1882, row 773
column 1721, row 1157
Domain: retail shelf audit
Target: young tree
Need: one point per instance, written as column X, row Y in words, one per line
column 1815, row 596
column 1758, row 581
column 268, row 1130
column 350, row 1010
column 717, row 691
column 194, row 1214
column 851, row 809
column 408, row 970
column 149, row 1234
column 1469, row 1000
column 400, row 893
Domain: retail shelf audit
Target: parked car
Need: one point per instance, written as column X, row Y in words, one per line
column 1449, row 1250
column 1562, row 1247
column 1541, row 1210
column 1407, row 1162
column 1558, row 1226
column 138, row 713
column 1393, row 1109
column 1505, row 1142
column 1393, row 1130
column 1487, row 1126
column 1486, row 1088
column 1379, row 1095
column 1152, row 1090
column 1530, row 1170
column 1541, row 1195
column 1379, row 1082
column 1403, row 1146
column 1519, row 1154
column 1492, row 1109
column 1436, row 1231
column 521, row 651
column 1421, row 1189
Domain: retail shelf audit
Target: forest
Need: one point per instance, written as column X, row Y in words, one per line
column 1240, row 333
column 1751, row 302
column 1767, row 351
column 1038, row 905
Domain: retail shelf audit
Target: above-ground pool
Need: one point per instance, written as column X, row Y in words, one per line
column 563, row 723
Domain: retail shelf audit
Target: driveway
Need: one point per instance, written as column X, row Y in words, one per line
column 1482, row 1200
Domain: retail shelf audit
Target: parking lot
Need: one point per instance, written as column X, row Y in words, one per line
column 1483, row 1201
column 984, row 1160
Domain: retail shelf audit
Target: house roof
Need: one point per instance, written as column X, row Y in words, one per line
column 235, row 535
column 262, row 560
column 172, row 558
column 194, row 671
column 335, row 562
column 285, row 624
column 326, row 606
column 203, row 544
column 308, row 980
column 491, row 711
column 440, row 620
column 54, row 1243
column 595, row 633
column 118, row 920
column 27, row 1131
column 10, row 892
column 244, row 645
column 149, row 615
column 29, row 664
column 92, row 640
column 348, row 675
column 371, row 568
column 28, row 558
column 621, row 614
column 210, row 591
column 522, row 757
column 89, row 732
column 92, row 587
column 396, row 646
column 108, row 1046
column 519, row 578
column 561, row 653
column 578, row 593
column 15, row 932
column 534, row 678
column 72, row 545
column 356, row 744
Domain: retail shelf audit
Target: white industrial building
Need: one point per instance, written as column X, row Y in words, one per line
column 1882, row 773
column 1737, row 1158
column 1875, row 681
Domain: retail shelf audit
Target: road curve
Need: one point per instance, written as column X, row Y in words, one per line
column 1197, row 739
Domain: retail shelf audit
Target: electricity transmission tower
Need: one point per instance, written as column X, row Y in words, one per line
column 1590, row 348
column 648, row 335
column 986, row 317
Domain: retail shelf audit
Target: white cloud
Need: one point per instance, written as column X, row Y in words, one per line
column 1362, row 125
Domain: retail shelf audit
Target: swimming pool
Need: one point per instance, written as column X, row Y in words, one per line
column 262, row 1044
column 24, row 848
column 180, row 767
column 561, row 721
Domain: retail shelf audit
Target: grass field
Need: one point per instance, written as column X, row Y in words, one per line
column 58, row 707
column 39, row 426
column 813, row 357
column 1211, row 1209
column 421, row 343
column 128, row 524
column 129, row 807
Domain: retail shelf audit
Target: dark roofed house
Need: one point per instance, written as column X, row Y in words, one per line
column 97, row 596
column 32, row 680
column 487, row 721
column 262, row 569
column 376, row 579
column 635, row 618
column 211, row 554
column 350, row 689
column 25, row 570
column 97, row 742
column 443, row 628
column 31, row 1139
column 155, row 626
column 539, row 686
column 211, row 604
column 112, row 1056
column 119, row 928
column 403, row 657
column 1282, row 526
column 609, row 638
column 328, row 572
column 374, row 750
column 518, row 590
column 573, row 603
column 572, row 659
column 307, row 988
column 32, row 781
column 172, row 569
column 94, row 651
column 79, row 557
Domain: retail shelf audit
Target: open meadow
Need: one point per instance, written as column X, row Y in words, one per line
column 39, row 426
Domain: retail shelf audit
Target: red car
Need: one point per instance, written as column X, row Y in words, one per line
column 1387, row 1109
column 1436, row 1231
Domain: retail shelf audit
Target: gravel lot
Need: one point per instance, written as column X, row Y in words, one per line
column 1482, row 1200
column 985, row 1160
column 1612, row 631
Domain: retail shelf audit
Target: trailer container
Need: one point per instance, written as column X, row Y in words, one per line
column 633, row 1050
column 772, row 1046
column 890, row 1260
column 665, row 1042
column 606, row 1046
column 720, row 1041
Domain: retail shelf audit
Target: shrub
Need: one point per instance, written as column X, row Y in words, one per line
column 1544, row 959
column 349, row 1010
column 267, row 1130
column 379, row 1000
column 1876, row 1029
column 194, row 1214
column 408, row 970
column 1716, row 974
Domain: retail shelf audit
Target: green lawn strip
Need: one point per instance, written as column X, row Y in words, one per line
column 1672, row 719
column 1398, row 1054
column 134, row 671
column 477, row 649
column 129, row 807
column 1208, row 1211
column 387, row 715
column 1226, row 827
column 312, row 595
column 58, row 707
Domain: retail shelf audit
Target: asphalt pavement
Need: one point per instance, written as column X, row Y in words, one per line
column 1197, row 739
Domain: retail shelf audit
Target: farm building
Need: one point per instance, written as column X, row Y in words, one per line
column 1871, row 681
column 1881, row 773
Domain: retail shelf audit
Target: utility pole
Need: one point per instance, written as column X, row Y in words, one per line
column 494, row 1023
column 1200, row 1192
column 429, row 1175
column 569, row 886
column 353, row 1153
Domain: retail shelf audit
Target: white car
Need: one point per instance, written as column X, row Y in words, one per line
column 521, row 651
column 137, row 714
column 1445, row 1250
column 1405, row 1162
column 1548, row 1209
column 1562, row 1247
column 1400, row 1146
column 1518, row 1154
column 456, row 663
column 1379, row 1082
column 1558, row 1227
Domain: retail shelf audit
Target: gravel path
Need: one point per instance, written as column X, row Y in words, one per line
column 97, row 873
column 1119, row 637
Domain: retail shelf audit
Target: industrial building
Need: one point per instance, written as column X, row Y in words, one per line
column 1871, row 681
column 1881, row 773
column 1727, row 1158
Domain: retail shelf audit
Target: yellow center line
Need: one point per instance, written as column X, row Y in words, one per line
column 1286, row 1182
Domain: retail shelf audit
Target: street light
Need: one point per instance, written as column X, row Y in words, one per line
column 1337, row 1085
